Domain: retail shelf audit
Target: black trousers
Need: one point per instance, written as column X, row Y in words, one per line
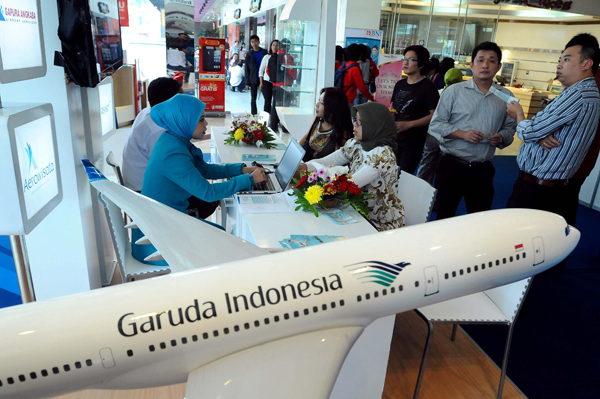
column 254, row 93
column 201, row 209
column 455, row 180
column 530, row 195
column 573, row 189
column 281, row 98
column 409, row 152
column 268, row 93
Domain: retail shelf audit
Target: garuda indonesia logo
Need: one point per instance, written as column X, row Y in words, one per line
column 377, row 272
column 2, row 14
column 30, row 156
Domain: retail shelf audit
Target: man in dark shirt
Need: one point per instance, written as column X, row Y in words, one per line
column 414, row 100
column 253, row 59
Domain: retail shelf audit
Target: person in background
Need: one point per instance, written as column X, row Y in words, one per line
column 556, row 140
column 470, row 122
column 353, row 79
column 235, row 49
column 265, row 81
column 144, row 133
column 369, row 71
column 281, row 76
column 372, row 164
column 339, row 57
column 375, row 54
column 414, row 99
column 237, row 79
column 439, row 79
column 235, row 59
column 243, row 51
column 253, row 60
column 434, row 68
column 332, row 126
column 177, row 170
column 431, row 150
column 176, row 61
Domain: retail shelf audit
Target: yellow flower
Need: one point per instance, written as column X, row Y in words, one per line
column 314, row 194
column 239, row 134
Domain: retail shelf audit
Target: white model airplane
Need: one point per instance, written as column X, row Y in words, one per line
column 274, row 326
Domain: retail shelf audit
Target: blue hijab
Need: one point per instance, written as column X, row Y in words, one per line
column 179, row 115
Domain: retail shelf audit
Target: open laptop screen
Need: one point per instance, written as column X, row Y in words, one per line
column 289, row 163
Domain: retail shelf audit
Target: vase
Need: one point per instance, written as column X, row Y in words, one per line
column 329, row 203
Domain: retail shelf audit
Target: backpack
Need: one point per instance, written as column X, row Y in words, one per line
column 340, row 73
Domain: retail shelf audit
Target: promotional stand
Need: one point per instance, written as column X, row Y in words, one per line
column 211, row 77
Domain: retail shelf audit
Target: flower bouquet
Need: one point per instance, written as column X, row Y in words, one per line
column 250, row 131
column 314, row 188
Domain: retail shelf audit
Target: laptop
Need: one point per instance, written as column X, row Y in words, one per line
column 280, row 180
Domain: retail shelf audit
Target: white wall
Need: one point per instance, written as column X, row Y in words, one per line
column 56, row 248
column 536, row 66
column 363, row 14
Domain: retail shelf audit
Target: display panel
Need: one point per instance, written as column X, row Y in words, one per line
column 37, row 164
column 22, row 54
column 106, row 29
column 107, row 107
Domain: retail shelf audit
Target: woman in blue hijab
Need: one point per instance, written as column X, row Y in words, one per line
column 177, row 171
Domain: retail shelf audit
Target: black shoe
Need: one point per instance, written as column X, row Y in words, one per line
column 233, row 89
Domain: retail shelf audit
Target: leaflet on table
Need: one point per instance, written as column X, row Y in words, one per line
column 503, row 96
column 301, row 241
column 280, row 146
column 258, row 158
column 338, row 216
column 272, row 203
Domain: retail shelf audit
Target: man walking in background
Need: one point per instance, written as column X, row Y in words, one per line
column 253, row 59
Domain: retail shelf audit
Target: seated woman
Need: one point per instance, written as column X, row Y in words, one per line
column 332, row 126
column 177, row 171
column 372, row 162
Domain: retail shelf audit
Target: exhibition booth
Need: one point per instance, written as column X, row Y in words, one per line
column 67, row 101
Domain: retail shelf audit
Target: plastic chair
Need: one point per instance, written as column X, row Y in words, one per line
column 110, row 159
column 417, row 197
column 499, row 305
column 131, row 269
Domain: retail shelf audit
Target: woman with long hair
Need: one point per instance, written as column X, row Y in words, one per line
column 265, row 82
column 332, row 125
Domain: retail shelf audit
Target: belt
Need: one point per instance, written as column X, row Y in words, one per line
column 468, row 163
column 546, row 183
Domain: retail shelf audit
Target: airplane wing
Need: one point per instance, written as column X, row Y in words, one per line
column 183, row 241
column 298, row 367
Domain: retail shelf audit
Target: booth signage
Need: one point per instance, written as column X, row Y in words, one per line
column 237, row 13
column 555, row 5
column 371, row 38
column 211, row 77
column 124, row 13
column 20, row 44
column 107, row 108
column 390, row 72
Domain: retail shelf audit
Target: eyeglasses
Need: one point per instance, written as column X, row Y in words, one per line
column 357, row 122
column 410, row 60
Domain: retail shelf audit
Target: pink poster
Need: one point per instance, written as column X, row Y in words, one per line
column 390, row 72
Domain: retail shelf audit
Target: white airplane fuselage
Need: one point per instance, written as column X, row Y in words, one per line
column 156, row 332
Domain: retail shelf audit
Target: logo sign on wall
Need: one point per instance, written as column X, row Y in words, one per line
column 390, row 72
column 124, row 13
column 211, row 78
column 21, row 42
column 371, row 38
column 255, row 5
column 237, row 13
column 107, row 108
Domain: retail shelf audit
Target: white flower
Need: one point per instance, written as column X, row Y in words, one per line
column 259, row 143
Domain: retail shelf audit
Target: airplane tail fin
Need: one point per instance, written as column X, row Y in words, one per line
column 184, row 242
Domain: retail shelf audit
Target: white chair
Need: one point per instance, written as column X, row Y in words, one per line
column 131, row 269
column 417, row 197
column 499, row 305
column 110, row 159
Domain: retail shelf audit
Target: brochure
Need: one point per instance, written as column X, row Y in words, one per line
column 258, row 158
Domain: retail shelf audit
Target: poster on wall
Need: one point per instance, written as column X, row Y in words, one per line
column 371, row 38
column 124, row 13
column 211, row 73
column 390, row 72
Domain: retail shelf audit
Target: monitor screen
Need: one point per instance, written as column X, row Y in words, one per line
column 22, row 54
column 106, row 29
column 37, row 163
column 289, row 163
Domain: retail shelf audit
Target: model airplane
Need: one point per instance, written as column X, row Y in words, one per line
column 273, row 326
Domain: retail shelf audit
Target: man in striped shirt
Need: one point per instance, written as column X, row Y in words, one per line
column 557, row 139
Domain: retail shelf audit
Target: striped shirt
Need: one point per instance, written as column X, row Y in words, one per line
column 464, row 107
column 572, row 119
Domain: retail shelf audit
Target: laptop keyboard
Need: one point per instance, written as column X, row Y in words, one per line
column 264, row 186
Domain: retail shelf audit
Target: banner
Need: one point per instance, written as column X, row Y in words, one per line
column 211, row 78
column 371, row 38
column 390, row 72
column 124, row 13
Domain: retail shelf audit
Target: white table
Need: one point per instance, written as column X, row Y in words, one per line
column 225, row 153
column 363, row 372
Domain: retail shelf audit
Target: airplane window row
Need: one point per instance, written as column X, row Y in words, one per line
column 44, row 373
column 490, row 264
column 384, row 292
column 246, row 326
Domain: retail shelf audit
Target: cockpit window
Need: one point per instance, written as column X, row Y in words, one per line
column 567, row 230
